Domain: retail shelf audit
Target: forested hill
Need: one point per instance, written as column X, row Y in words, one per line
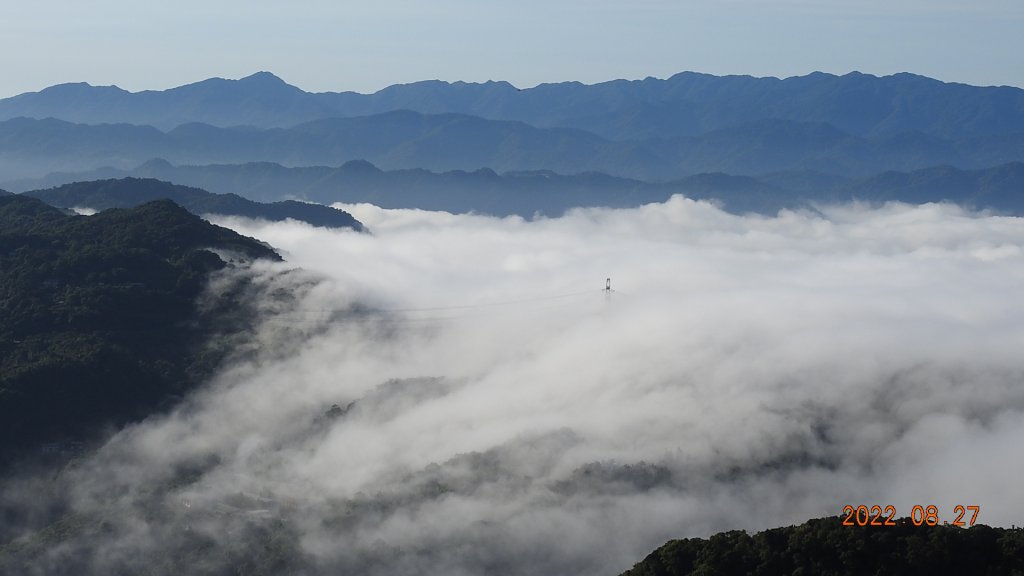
column 825, row 547
column 128, row 192
column 99, row 321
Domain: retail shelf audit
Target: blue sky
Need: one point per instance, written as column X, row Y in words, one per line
column 336, row 45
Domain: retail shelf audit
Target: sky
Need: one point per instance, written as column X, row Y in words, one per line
column 337, row 45
column 499, row 409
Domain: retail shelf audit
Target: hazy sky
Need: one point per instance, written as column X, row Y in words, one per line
column 335, row 45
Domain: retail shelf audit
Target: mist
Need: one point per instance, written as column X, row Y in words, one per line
column 458, row 394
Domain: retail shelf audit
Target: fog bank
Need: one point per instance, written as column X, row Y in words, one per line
column 459, row 395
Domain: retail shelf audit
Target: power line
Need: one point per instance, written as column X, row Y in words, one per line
column 484, row 305
column 489, row 304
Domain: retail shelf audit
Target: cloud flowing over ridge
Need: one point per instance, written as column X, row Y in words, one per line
column 456, row 394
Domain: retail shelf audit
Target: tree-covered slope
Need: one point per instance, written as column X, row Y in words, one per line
column 825, row 547
column 99, row 319
column 128, row 192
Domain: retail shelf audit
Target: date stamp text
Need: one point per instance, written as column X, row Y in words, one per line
column 930, row 515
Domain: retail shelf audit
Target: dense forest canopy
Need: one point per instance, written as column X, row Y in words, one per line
column 826, row 547
column 99, row 320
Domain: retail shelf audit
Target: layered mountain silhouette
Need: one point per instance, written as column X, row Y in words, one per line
column 853, row 125
column 752, row 143
column 483, row 191
column 528, row 193
column 129, row 192
column 396, row 140
column 686, row 104
column 261, row 99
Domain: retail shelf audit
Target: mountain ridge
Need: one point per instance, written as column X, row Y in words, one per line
column 407, row 139
column 652, row 129
column 526, row 193
column 862, row 104
column 128, row 192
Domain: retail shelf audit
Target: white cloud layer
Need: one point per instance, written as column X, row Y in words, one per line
column 504, row 415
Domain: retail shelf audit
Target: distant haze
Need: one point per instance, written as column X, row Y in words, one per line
column 364, row 46
column 852, row 125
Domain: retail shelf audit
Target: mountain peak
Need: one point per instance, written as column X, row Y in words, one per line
column 261, row 82
column 360, row 167
column 78, row 89
column 263, row 77
column 155, row 164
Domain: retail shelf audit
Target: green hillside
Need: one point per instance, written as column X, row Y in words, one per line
column 826, row 547
column 99, row 323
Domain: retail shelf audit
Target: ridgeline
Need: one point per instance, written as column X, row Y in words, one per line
column 128, row 192
column 826, row 547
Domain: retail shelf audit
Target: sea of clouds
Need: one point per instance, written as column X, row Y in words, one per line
column 457, row 394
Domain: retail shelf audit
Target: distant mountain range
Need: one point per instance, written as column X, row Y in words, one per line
column 655, row 130
column 528, row 193
column 755, row 144
column 129, row 192
column 403, row 139
column 687, row 104
column 400, row 139
column 483, row 191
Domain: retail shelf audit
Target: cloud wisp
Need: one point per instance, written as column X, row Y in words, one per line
column 457, row 394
